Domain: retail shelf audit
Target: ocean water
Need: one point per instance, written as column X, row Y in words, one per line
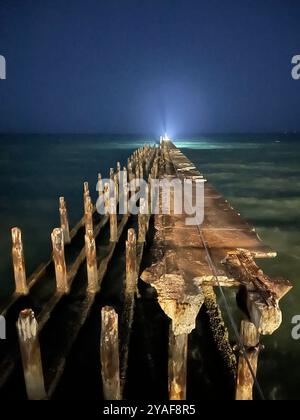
column 34, row 172
column 258, row 174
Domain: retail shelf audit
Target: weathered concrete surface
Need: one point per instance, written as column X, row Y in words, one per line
column 180, row 253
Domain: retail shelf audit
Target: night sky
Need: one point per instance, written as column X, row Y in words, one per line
column 146, row 66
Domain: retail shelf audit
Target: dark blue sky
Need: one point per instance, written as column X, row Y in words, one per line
column 138, row 66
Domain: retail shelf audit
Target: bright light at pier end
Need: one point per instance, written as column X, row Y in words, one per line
column 165, row 138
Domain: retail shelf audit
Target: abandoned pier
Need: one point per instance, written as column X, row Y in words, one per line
column 128, row 299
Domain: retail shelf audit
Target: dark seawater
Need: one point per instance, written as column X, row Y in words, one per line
column 260, row 176
column 34, row 172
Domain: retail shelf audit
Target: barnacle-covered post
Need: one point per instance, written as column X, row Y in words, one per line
column 64, row 222
column 245, row 380
column 91, row 262
column 31, row 355
column 109, row 354
column 57, row 237
column 19, row 262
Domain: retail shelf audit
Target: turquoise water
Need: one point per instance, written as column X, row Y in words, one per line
column 260, row 175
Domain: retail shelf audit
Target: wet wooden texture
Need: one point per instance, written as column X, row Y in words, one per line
column 245, row 377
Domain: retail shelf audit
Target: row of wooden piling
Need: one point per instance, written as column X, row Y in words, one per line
column 138, row 165
column 28, row 333
column 143, row 162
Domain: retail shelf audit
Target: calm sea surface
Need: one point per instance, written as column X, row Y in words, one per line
column 259, row 175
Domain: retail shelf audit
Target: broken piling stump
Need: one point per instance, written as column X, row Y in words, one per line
column 91, row 262
column 88, row 216
column 57, row 237
column 109, row 353
column 31, row 355
column 248, row 355
column 64, row 221
column 19, row 262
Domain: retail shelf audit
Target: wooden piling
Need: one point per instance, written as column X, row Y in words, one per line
column 106, row 198
column 112, row 174
column 109, row 354
column 88, row 216
column 141, row 170
column 142, row 220
column 130, row 172
column 19, row 262
column 123, row 199
column 31, row 355
column 113, row 220
column 57, row 237
column 116, row 188
column 178, row 345
column 245, row 381
column 64, row 222
column 91, row 262
column 100, row 185
column 86, row 194
column 118, row 167
column 129, row 300
column 131, row 264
